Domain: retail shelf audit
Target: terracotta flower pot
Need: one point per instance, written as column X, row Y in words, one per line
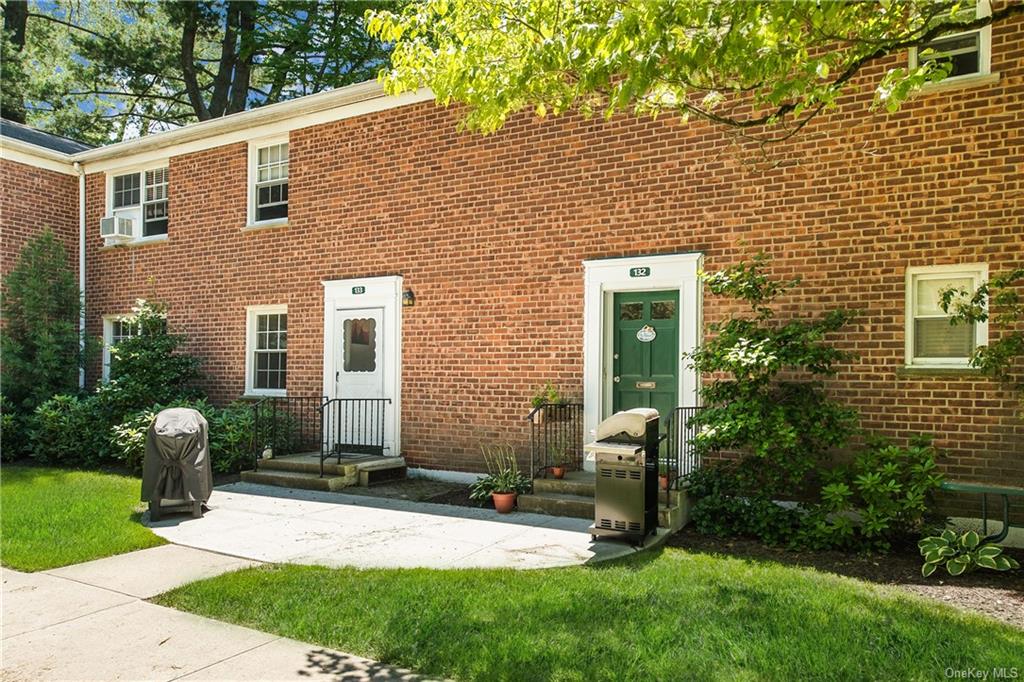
column 504, row 502
column 558, row 472
column 663, row 480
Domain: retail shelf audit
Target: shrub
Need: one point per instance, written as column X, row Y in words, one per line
column 149, row 368
column 71, row 431
column 14, row 435
column 721, row 508
column 230, row 433
column 40, row 340
column 883, row 497
column 787, row 426
column 962, row 554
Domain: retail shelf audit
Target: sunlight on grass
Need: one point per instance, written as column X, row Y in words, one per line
column 666, row 615
column 51, row 517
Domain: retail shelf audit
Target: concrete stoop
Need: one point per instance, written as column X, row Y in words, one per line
column 303, row 472
column 574, row 496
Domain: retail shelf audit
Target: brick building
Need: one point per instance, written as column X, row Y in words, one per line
column 536, row 254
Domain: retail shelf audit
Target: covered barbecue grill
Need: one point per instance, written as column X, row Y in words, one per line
column 176, row 474
column 626, row 490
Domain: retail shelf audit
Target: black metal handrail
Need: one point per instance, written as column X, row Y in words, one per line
column 286, row 425
column 679, row 455
column 556, row 427
column 351, row 427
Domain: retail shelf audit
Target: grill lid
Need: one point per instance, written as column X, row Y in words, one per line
column 631, row 422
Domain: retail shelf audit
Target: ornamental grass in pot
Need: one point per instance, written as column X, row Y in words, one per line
column 503, row 482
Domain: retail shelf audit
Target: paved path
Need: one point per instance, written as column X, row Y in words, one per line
column 333, row 529
column 89, row 622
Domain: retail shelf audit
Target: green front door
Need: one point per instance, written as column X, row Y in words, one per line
column 645, row 353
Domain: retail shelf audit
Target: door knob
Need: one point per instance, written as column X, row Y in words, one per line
column 615, row 379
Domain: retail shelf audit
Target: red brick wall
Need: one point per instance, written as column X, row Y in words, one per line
column 490, row 233
column 31, row 200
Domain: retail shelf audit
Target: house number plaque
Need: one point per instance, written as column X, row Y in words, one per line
column 646, row 334
column 358, row 290
column 639, row 272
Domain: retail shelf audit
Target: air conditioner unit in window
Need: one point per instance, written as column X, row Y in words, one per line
column 115, row 227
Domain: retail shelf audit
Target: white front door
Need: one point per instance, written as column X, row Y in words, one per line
column 363, row 365
column 358, row 360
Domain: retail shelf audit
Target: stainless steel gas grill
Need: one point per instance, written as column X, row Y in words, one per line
column 626, row 457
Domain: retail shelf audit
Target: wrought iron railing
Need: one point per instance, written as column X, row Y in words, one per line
column 556, row 437
column 678, row 454
column 286, row 425
column 352, row 427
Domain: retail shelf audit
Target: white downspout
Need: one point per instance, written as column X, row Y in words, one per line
column 81, row 266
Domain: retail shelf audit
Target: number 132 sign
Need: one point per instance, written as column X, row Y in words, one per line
column 640, row 272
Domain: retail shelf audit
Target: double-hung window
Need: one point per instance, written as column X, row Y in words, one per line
column 932, row 340
column 141, row 196
column 266, row 365
column 269, row 182
column 969, row 54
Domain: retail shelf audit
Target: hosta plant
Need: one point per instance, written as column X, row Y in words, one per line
column 962, row 554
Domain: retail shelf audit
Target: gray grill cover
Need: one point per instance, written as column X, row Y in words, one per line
column 177, row 464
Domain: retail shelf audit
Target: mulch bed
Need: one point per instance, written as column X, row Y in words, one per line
column 994, row 594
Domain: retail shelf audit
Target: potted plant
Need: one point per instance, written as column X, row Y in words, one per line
column 547, row 395
column 503, row 482
column 558, row 456
column 663, row 475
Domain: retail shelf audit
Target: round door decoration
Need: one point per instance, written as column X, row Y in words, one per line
column 646, row 334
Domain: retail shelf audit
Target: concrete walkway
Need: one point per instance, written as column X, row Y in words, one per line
column 89, row 622
column 333, row 529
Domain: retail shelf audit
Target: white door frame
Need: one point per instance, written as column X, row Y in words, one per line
column 602, row 278
column 377, row 292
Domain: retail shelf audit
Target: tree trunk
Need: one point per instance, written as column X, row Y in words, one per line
column 12, row 106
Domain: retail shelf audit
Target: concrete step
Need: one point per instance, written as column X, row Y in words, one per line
column 299, row 479
column 382, row 471
column 310, row 465
column 571, row 485
column 558, row 504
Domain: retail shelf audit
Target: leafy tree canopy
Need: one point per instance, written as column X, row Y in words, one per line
column 762, row 68
column 107, row 70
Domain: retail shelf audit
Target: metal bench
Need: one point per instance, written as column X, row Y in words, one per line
column 985, row 489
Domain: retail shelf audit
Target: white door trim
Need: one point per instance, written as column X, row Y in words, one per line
column 378, row 292
column 604, row 277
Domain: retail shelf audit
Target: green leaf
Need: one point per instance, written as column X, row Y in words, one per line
column 970, row 539
column 949, row 536
column 990, row 551
column 955, row 567
column 928, row 569
column 987, row 562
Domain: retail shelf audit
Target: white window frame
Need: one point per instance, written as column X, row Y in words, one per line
column 137, row 211
column 108, row 342
column 251, row 313
column 254, row 148
column 977, row 272
column 983, row 9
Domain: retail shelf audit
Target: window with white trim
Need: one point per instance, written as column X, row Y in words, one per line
column 269, row 177
column 266, row 365
column 932, row 340
column 968, row 53
column 142, row 197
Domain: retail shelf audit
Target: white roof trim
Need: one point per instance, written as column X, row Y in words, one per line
column 346, row 102
column 34, row 155
column 274, row 119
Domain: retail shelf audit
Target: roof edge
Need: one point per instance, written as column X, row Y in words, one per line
column 271, row 113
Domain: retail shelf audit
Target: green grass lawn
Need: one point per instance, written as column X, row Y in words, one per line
column 53, row 517
column 667, row 615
